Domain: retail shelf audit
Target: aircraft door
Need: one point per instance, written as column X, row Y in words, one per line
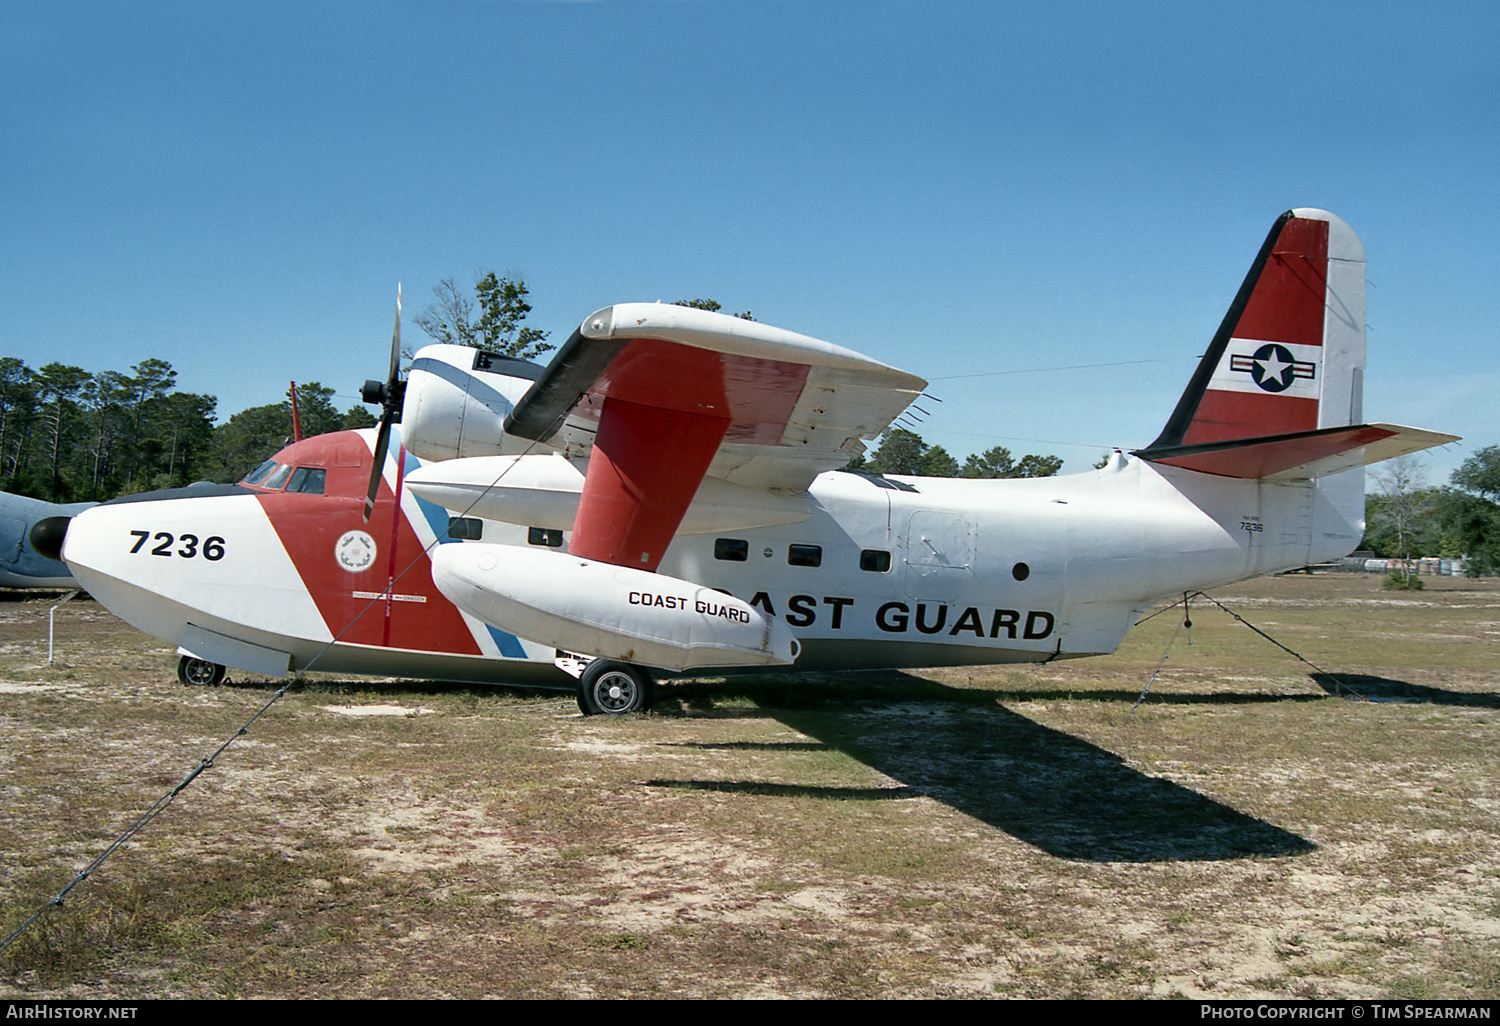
column 938, row 548
column 1031, row 563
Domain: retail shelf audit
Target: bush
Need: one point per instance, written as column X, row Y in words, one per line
column 1402, row 580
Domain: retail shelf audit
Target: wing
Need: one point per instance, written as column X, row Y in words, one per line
column 659, row 397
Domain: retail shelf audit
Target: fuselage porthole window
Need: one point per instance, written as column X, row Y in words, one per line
column 804, row 555
column 466, row 528
column 733, row 550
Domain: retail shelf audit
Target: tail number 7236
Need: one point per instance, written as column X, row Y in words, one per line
column 212, row 548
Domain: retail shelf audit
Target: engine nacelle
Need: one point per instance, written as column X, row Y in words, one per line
column 615, row 612
column 457, row 399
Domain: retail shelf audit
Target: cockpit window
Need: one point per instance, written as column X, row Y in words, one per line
column 308, row 480
column 277, row 479
column 258, row 475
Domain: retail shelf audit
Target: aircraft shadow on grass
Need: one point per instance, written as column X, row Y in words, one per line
column 1049, row 789
column 1361, row 686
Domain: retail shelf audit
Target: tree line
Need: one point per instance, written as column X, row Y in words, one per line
column 904, row 452
column 1407, row 518
column 71, row 435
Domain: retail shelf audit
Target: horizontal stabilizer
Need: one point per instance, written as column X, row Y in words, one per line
column 1300, row 455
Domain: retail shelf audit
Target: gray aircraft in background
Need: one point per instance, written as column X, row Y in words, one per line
column 20, row 565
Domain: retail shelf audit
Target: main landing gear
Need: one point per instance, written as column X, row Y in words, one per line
column 199, row 672
column 613, row 689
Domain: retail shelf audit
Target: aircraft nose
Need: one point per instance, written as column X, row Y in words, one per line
column 47, row 536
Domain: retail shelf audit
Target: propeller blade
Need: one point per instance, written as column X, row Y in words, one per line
column 395, row 346
column 389, row 395
column 382, row 443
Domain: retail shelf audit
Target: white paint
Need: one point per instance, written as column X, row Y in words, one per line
column 615, row 612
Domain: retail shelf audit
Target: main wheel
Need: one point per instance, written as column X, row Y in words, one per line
column 614, row 689
column 197, row 672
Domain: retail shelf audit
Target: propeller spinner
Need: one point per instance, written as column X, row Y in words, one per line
column 388, row 394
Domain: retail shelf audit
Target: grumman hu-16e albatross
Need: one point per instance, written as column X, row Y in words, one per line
column 662, row 496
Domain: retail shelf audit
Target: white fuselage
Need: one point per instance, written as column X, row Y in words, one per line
column 1013, row 570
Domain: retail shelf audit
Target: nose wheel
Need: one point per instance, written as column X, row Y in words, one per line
column 196, row 672
column 613, row 689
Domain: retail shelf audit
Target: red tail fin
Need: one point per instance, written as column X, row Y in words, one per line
column 1290, row 352
column 1278, row 393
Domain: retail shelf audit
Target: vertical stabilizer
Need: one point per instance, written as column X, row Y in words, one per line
column 1289, row 356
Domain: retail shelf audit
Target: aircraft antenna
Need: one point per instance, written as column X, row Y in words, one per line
column 296, row 417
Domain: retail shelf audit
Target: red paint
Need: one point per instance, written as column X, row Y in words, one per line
column 757, row 396
column 1261, row 459
column 391, row 570
column 646, row 466
column 1224, row 416
column 1286, row 305
column 665, row 408
column 296, row 418
column 310, row 526
column 1289, row 297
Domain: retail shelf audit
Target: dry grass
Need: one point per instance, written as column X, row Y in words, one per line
column 949, row 833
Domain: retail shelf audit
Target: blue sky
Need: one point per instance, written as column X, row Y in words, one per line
column 958, row 189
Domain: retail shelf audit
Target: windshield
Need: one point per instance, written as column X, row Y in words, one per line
column 258, row 475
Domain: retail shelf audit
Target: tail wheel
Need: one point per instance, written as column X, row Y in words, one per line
column 613, row 689
column 197, row 672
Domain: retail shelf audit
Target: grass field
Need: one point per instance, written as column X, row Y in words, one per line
column 949, row 833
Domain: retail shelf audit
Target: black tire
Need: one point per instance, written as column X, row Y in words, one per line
column 196, row 672
column 614, row 689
